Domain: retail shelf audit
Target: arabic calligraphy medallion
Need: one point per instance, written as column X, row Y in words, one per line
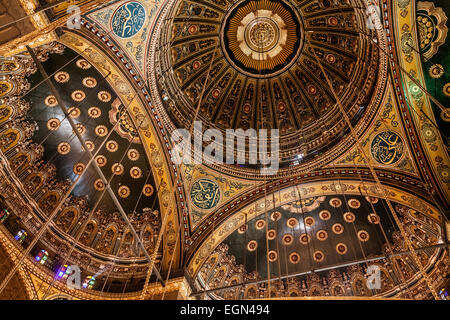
column 387, row 147
column 128, row 19
column 205, row 194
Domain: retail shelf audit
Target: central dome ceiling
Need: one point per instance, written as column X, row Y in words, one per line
column 263, row 71
column 261, row 38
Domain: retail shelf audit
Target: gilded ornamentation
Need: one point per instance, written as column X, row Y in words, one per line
column 387, row 147
column 205, row 194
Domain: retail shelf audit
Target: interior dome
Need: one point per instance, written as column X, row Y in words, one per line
column 263, row 69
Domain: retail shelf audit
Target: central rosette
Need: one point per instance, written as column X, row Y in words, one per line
column 262, row 38
column 262, row 35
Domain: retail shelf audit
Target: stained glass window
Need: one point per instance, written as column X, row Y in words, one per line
column 443, row 294
column 3, row 215
column 20, row 236
column 41, row 257
column 89, row 282
column 63, row 272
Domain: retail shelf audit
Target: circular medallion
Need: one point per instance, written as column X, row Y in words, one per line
column 128, row 19
column 64, row 148
column 99, row 185
column 123, row 191
column 94, row 112
column 292, row 223
column 83, row 64
column 436, row 71
column 318, row 256
column 387, row 147
column 205, row 193
column 321, row 235
column 89, row 82
column 74, row 112
column 271, row 234
column 104, row 96
column 136, row 172
column 101, row 130
column 272, row 255
column 275, row 216
column 62, row 77
column 325, row 215
column 260, row 224
column 90, row 145
column 80, row 128
column 79, row 168
column 349, row 217
column 335, row 202
column 373, row 218
column 294, row 258
column 354, row 203
column 446, row 89
column 304, row 238
column 331, row 58
column 372, row 199
column 337, row 228
column 288, row 239
column 445, row 114
column 363, row 235
column 101, row 160
column 78, row 95
column 262, row 38
column 252, row 245
column 117, row 169
column 242, row 229
column 309, row 221
column 53, row 124
column 133, row 154
column 147, row 190
column 341, row 248
column 112, row 146
column 50, row 101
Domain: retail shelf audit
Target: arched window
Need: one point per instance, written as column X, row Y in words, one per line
column 63, row 272
column 21, row 235
column 41, row 257
column 3, row 215
column 89, row 282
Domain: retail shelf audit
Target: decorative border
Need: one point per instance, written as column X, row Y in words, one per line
column 288, row 194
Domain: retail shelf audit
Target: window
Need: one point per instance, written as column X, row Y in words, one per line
column 41, row 257
column 443, row 294
column 3, row 215
column 63, row 272
column 21, row 235
column 89, row 282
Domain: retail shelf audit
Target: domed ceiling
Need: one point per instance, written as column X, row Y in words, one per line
column 263, row 71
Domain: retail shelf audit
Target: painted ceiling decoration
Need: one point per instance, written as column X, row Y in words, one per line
column 372, row 194
column 263, row 73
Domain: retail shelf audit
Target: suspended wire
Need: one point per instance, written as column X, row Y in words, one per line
column 387, row 243
column 429, row 284
column 94, row 208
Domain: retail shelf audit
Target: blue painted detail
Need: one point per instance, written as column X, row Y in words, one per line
column 205, row 194
column 128, row 19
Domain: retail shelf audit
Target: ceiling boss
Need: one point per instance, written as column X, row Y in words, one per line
column 262, row 38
